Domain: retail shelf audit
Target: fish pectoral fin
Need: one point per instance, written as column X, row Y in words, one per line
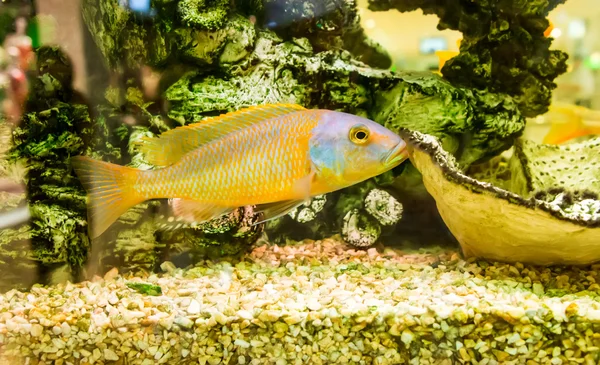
column 302, row 186
column 276, row 209
column 192, row 211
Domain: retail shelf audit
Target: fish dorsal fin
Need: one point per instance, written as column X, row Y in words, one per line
column 172, row 145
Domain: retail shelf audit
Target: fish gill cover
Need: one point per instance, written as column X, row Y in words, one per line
column 214, row 58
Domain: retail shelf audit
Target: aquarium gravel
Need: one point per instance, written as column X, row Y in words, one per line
column 312, row 302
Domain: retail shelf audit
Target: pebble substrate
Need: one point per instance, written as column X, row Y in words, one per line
column 313, row 303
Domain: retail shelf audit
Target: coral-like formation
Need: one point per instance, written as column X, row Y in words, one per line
column 498, row 224
column 360, row 230
column 383, row 207
column 503, row 49
column 330, row 24
column 55, row 124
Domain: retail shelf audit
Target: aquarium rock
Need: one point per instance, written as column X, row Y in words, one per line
column 56, row 123
column 574, row 167
column 499, row 224
column 383, row 207
column 503, row 48
column 309, row 210
column 360, row 229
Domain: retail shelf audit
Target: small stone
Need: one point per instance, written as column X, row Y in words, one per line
column 194, row 307
column 66, row 328
column 168, row 266
column 113, row 299
column 110, row 355
column 313, row 304
column 268, row 316
column 241, row 343
column 293, row 318
column 111, row 274
column 280, row 327
column 36, row 330
column 538, row 289
column 184, row 322
column 407, row 337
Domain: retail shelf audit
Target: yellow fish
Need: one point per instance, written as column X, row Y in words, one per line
column 568, row 121
column 273, row 156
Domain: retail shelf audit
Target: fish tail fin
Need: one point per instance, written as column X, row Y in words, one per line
column 110, row 190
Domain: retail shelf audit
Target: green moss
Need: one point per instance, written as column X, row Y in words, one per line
column 472, row 125
column 327, row 24
column 203, row 14
column 51, row 129
column 146, row 289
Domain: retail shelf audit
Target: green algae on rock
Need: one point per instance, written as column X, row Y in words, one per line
column 497, row 224
column 479, row 125
column 503, row 49
column 328, row 25
column 202, row 14
column 145, row 288
column 473, row 125
column 55, row 124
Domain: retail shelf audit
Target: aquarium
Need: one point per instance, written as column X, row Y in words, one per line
column 299, row 182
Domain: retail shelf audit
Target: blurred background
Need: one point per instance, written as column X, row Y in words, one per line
column 412, row 40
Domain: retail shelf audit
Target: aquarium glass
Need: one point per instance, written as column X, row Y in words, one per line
column 299, row 182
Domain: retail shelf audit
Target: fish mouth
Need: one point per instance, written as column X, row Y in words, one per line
column 396, row 155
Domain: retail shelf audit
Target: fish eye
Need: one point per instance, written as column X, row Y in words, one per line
column 359, row 134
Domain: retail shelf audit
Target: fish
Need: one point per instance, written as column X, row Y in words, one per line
column 274, row 157
column 569, row 122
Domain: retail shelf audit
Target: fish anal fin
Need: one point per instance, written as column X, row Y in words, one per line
column 172, row 145
column 192, row 211
column 276, row 209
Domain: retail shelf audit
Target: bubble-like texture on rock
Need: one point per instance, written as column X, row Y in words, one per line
column 360, row 229
column 572, row 167
column 383, row 207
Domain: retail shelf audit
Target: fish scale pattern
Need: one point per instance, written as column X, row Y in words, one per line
column 260, row 163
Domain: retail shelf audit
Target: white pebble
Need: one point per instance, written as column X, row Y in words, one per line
column 194, row 307
column 313, row 304
column 241, row 343
column 184, row 322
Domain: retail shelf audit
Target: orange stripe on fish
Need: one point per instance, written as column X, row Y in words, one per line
column 273, row 156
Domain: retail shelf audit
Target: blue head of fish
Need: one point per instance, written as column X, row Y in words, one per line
column 346, row 149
